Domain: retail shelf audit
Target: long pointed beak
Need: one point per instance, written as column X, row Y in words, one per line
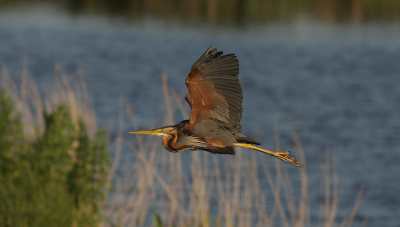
column 156, row 132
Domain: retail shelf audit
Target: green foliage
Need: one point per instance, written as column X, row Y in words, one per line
column 58, row 179
column 10, row 134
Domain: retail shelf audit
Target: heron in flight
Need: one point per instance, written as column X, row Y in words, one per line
column 215, row 98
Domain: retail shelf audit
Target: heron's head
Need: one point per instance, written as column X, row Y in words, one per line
column 164, row 131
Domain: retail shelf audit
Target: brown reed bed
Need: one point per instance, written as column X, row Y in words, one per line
column 158, row 188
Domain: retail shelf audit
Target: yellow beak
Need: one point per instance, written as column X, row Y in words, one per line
column 157, row 132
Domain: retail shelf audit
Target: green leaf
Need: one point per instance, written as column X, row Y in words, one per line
column 157, row 220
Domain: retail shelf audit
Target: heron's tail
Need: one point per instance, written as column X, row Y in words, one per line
column 282, row 155
column 244, row 139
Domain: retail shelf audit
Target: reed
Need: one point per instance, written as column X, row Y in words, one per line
column 158, row 188
column 66, row 90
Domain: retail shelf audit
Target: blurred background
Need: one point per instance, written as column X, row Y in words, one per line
column 227, row 12
column 328, row 68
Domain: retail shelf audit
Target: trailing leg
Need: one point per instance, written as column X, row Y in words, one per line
column 282, row 155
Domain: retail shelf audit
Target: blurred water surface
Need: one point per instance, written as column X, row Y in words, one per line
column 339, row 85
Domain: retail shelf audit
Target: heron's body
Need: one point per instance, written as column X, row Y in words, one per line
column 215, row 98
column 212, row 136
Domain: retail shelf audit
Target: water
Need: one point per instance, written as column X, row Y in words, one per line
column 338, row 85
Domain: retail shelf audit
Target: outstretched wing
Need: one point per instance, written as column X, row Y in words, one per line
column 214, row 89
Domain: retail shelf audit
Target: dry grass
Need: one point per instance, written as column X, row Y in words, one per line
column 202, row 189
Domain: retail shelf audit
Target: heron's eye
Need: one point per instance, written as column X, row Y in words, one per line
column 168, row 129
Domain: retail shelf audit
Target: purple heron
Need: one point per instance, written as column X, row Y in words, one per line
column 215, row 98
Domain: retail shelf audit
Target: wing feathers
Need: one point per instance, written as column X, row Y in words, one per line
column 214, row 88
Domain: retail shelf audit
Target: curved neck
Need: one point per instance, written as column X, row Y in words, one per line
column 169, row 142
